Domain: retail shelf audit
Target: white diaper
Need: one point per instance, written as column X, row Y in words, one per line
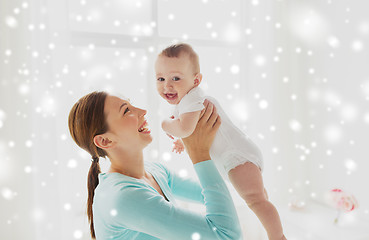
column 233, row 159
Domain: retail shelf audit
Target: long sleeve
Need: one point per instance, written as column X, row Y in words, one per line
column 185, row 188
column 143, row 210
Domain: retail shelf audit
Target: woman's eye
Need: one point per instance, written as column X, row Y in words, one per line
column 125, row 111
column 176, row 78
column 161, row 79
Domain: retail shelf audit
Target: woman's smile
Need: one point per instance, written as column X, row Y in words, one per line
column 144, row 128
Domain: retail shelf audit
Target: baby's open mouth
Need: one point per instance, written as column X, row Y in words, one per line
column 143, row 128
column 171, row 96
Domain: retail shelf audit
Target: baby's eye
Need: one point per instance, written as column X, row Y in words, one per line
column 125, row 111
column 161, row 79
column 175, row 78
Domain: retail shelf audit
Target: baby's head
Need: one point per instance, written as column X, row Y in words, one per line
column 177, row 72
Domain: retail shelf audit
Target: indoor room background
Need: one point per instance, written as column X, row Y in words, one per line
column 293, row 75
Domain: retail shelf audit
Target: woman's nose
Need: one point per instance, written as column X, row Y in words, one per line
column 141, row 112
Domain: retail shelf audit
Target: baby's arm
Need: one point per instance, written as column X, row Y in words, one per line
column 183, row 126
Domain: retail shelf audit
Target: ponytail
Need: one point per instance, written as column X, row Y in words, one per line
column 86, row 120
column 92, row 182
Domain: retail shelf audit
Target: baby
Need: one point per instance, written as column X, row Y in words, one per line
column 178, row 77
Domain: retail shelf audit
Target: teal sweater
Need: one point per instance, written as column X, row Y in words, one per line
column 129, row 208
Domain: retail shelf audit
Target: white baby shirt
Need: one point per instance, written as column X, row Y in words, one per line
column 231, row 147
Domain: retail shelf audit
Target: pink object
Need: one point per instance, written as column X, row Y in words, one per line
column 343, row 201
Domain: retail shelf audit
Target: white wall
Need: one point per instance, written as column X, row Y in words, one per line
column 292, row 74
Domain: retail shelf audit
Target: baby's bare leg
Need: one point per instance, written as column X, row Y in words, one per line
column 248, row 182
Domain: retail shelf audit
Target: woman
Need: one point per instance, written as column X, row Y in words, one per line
column 135, row 199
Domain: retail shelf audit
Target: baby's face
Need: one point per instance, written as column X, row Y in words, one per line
column 174, row 77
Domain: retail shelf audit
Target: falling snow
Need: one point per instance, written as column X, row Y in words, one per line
column 113, row 212
column 77, row 234
column 295, row 80
column 195, row 236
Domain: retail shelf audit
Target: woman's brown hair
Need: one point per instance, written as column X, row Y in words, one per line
column 86, row 120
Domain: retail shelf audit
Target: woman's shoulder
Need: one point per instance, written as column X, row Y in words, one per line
column 117, row 194
column 156, row 166
column 115, row 189
column 116, row 182
column 158, row 169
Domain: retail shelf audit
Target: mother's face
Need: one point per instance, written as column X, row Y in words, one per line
column 127, row 126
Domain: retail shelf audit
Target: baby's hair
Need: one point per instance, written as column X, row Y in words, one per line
column 183, row 48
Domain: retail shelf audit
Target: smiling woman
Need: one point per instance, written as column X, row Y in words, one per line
column 136, row 199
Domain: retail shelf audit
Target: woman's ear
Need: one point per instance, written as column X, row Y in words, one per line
column 103, row 142
column 198, row 78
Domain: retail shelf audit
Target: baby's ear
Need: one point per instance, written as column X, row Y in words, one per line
column 198, row 78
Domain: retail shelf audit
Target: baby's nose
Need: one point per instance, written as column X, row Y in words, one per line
column 167, row 85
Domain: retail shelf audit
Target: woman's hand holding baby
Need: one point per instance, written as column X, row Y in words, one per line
column 199, row 142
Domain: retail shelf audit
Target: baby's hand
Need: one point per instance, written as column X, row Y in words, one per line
column 178, row 146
